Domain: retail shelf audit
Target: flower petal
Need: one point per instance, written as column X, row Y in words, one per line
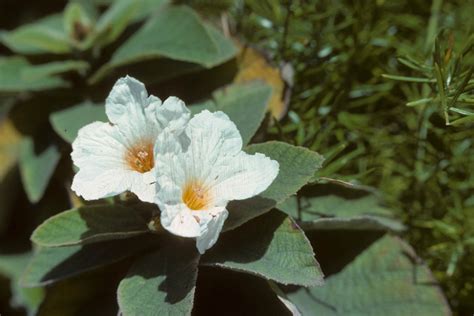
column 244, row 177
column 93, row 186
column 173, row 114
column 216, row 132
column 211, row 230
column 143, row 185
column 98, row 152
column 175, row 216
column 128, row 96
column 214, row 138
column 99, row 146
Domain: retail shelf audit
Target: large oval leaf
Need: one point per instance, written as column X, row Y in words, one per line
column 175, row 32
column 43, row 36
column 330, row 206
column 17, row 74
column 161, row 283
column 271, row 246
column 52, row 264
column 385, row 279
column 89, row 224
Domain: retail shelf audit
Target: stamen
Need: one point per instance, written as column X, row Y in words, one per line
column 196, row 195
column 140, row 157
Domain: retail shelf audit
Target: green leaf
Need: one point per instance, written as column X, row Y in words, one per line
column 66, row 123
column 114, row 21
column 43, row 36
column 161, row 283
column 226, row 49
column 245, row 104
column 464, row 120
column 409, row 79
column 13, row 266
column 329, row 206
column 89, row 224
column 175, row 32
column 55, row 68
column 385, row 279
column 52, row 264
column 37, row 167
column 297, row 167
column 147, row 8
column 271, row 246
column 15, row 76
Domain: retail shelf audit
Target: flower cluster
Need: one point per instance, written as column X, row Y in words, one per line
column 190, row 167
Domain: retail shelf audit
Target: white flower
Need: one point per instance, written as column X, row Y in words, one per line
column 200, row 171
column 118, row 156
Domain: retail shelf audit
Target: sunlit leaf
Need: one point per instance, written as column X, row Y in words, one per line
column 53, row 264
column 17, row 74
column 384, row 279
column 161, row 282
column 271, row 246
column 330, row 207
column 177, row 33
column 43, row 36
column 89, row 224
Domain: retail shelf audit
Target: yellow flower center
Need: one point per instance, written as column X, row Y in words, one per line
column 196, row 195
column 140, row 157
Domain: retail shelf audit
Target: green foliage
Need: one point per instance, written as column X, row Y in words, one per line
column 336, row 207
column 385, row 278
column 183, row 36
column 245, row 105
column 271, row 246
column 111, row 256
column 44, row 36
column 17, row 75
column 375, row 85
column 37, row 166
column 67, row 122
column 161, row 283
column 12, row 266
column 89, row 224
column 52, row 264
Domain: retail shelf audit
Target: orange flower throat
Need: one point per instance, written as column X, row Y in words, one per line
column 140, row 157
column 196, row 196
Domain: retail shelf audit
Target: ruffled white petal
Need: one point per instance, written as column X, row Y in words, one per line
column 208, row 154
column 143, row 185
column 214, row 133
column 175, row 216
column 173, row 114
column 97, row 151
column 213, row 139
column 245, row 176
column 100, row 149
column 128, row 95
column 210, row 230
